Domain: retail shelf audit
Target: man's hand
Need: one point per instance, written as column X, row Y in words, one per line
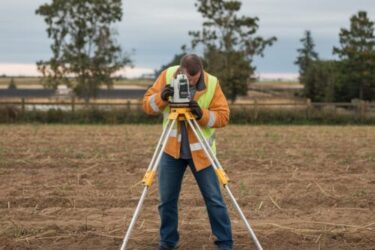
column 195, row 109
column 166, row 93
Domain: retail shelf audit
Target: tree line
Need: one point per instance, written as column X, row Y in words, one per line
column 351, row 75
column 85, row 54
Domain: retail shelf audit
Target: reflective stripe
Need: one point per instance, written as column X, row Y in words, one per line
column 153, row 105
column 198, row 146
column 195, row 146
column 174, row 134
column 211, row 120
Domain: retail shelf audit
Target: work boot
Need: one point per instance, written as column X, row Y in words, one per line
column 224, row 248
column 164, row 247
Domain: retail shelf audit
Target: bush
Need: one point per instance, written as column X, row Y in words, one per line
column 12, row 84
column 296, row 116
column 239, row 115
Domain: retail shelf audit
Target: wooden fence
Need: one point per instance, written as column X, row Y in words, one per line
column 360, row 107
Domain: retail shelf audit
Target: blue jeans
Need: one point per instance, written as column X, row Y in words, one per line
column 170, row 176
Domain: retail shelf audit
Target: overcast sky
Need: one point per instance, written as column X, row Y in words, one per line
column 156, row 29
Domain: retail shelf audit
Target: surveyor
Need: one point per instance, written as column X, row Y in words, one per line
column 183, row 149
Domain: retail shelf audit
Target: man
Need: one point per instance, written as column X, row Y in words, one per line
column 211, row 110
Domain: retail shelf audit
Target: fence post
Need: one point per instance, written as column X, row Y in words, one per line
column 308, row 108
column 23, row 104
column 359, row 108
column 128, row 106
column 73, row 103
column 362, row 109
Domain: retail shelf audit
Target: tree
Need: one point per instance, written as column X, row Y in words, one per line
column 84, row 52
column 229, row 44
column 357, row 54
column 306, row 57
column 12, row 84
column 320, row 81
column 175, row 61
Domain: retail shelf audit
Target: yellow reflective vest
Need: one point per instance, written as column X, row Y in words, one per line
column 215, row 114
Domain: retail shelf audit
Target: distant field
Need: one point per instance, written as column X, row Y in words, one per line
column 277, row 84
column 272, row 91
column 143, row 82
column 4, row 81
column 25, row 81
column 301, row 187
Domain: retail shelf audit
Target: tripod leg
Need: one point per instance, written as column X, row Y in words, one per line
column 221, row 176
column 164, row 142
column 135, row 217
column 148, row 179
column 159, row 144
column 207, row 149
column 204, row 140
column 252, row 234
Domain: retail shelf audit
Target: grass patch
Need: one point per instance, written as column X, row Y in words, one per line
column 19, row 231
column 237, row 116
column 3, row 162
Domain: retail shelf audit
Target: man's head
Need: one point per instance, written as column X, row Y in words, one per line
column 191, row 66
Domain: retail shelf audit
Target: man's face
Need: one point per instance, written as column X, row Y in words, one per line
column 193, row 80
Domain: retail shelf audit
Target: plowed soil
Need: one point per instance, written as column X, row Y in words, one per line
column 76, row 187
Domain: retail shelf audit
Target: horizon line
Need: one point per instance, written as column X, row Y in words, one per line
column 30, row 70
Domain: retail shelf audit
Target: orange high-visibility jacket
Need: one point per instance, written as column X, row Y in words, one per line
column 215, row 116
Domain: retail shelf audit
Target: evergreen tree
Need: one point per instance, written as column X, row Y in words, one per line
column 83, row 47
column 306, row 57
column 12, row 84
column 320, row 81
column 357, row 54
column 229, row 44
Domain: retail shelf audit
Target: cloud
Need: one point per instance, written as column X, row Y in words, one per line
column 156, row 31
column 157, row 34
column 289, row 17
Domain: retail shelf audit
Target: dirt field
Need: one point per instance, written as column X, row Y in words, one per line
column 76, row 187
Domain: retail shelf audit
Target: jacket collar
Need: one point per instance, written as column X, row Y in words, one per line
column 201, row 86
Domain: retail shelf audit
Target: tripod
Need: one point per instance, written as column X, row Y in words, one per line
column 184, row 113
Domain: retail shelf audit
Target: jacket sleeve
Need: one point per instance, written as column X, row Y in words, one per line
column 217, row 114
column 152, row 102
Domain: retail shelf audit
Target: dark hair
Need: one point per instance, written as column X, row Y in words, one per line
column 192, row 63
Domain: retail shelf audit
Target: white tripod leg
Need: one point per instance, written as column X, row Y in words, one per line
column 160, row 144
column 221, row 175
column 134, row 219
column 149, row 176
